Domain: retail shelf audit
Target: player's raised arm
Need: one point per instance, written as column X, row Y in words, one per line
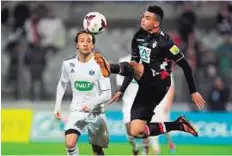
column 174, row 53
column 62, row 84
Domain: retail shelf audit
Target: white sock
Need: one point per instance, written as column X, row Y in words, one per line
column 73, row 151
column 154, row 141
column 132, row 142
column 145, row 146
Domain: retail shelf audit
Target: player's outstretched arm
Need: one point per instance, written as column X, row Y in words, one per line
column 104, row 96
column 196, row 97
column 61, row 87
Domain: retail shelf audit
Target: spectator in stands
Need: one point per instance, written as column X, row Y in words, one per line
column 224, row 55
column 187, row 23
column 35, row 58
column 13, row 49
column 4, row 13
column 218, row 96
column 224, row 19
column 52, row 32
column 21, row 13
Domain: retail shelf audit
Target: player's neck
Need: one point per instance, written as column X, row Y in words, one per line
column 84, row 58
column 155, row 31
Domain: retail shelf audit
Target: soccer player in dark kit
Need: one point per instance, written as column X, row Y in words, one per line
column 156, row 51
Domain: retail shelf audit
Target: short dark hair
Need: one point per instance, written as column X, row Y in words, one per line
column 157, row 11
column 85, row 32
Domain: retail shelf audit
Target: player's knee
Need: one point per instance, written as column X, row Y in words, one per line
column 136, row 132
column 137, row 128
column 70, row 144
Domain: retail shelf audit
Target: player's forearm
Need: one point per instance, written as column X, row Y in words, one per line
column 103, row 97
column 60, row 93
column 188, row 75
column 127, row 80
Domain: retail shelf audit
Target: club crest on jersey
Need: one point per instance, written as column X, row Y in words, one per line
column 72, row 64
column 154, row 44
column 91, row 72
column 72, row 71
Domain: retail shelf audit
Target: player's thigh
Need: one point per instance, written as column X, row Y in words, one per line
column 138, row 69
column 143, row 105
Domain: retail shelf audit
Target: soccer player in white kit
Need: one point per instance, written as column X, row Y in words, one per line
column 90, row 91
column 161, row 113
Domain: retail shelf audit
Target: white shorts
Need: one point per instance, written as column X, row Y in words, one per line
column 94, row 123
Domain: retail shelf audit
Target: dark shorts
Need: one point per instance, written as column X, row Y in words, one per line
column 150, row 93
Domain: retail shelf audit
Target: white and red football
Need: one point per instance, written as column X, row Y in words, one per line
column 94, row 22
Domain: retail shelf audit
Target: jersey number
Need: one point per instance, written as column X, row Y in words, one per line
column 144, row 54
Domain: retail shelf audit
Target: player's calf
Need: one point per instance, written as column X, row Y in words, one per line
column 181, row 124
column 97, row 150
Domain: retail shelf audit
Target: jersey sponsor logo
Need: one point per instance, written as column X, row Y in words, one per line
column 91, row 72
column 72, row 71
column 145, row 54
column 174, row 50
column 83, row 86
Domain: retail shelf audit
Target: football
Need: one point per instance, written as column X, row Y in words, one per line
column 94, row 22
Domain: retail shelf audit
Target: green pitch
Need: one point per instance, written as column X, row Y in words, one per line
column 114, row 149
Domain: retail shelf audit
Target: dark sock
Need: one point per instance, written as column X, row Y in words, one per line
column 122, row 68
column 97, row 149
column 154, row 129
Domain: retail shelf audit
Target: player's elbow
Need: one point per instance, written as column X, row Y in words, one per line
column 185, row 66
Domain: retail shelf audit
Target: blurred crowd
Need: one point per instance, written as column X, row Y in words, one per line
column 36, row 33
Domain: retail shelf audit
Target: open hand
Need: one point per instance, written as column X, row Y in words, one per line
column 198, row 100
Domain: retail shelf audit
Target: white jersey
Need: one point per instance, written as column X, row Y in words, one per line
column 87, row 83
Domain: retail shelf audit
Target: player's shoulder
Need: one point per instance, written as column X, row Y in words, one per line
column 70, row 59
column 164, row 36
column 165, row 39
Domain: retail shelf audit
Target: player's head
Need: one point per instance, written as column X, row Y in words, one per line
column 85, row 42
column 152, row 18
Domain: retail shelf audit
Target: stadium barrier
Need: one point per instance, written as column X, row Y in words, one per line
column 22, row 125
column 16, row 125
column 214, row 128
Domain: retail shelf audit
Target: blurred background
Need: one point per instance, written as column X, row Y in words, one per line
column 37, row 36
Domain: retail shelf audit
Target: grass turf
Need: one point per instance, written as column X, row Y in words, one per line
column 114, row 149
